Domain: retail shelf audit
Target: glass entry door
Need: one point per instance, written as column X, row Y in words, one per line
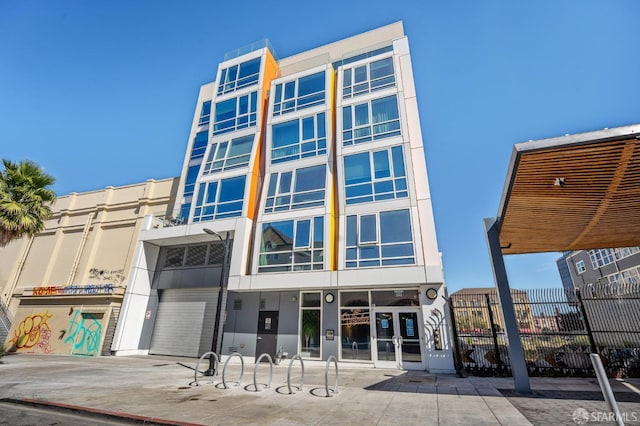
column 398, row 338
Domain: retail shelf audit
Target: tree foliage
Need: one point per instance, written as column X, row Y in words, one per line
column 25, row 199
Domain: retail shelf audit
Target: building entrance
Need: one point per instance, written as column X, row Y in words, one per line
column 397, row 337
column 267, row 335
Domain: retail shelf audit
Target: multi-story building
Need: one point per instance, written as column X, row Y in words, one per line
column 305, row 219
column 62, row 289
column 616, row 269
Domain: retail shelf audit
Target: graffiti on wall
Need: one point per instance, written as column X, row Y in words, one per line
column 84, row 333
column 32, row 333
column 107, row 275
column 68, row 290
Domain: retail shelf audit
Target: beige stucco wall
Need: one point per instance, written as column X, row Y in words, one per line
column 89, row 239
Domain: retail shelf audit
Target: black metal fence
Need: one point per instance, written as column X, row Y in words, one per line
column 558, row 331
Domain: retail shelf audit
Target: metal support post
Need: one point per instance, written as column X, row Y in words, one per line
column 216, row 344
column 516, row 353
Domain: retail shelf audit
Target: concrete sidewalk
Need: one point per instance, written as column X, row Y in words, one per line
column 158, row 387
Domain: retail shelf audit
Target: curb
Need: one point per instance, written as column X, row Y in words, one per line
column 95, row 412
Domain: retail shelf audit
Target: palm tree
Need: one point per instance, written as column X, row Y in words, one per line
column 24, row 199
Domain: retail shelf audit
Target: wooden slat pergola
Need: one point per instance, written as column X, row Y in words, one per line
column 573, row 193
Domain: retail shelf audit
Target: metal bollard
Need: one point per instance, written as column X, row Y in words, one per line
column 605, row 387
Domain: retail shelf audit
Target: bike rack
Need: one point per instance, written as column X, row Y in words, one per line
column 224, row 369
column 326, row 375
column 255, row 370
column 217, row 362
column 295, row 357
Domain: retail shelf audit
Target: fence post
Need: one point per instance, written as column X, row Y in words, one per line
column 592, row 342
column 456, row 344
column 496, row 348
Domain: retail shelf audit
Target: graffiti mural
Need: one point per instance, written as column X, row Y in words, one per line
column 84, row 333
column 33, row 332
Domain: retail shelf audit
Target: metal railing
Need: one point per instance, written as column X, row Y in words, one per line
column 558, row 331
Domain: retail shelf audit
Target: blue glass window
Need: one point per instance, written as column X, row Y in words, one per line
column 379, row 239
column 299, row 189
column 299, row 138
column 375, row 176
column 205, row 113
column 199, row 145
column 302, row 93
column 190, row 183
column 373, row 120
column 239, row 76
column 367, row 78
column 235, row 114
column 229, row 155
column 292, row 245
column 220, row 199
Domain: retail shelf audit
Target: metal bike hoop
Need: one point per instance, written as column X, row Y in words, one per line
column 224, row 369
column 197, row 370
column 326, row 375
column 293, row 358
column 255, row 371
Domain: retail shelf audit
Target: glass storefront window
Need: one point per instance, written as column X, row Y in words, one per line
column 355, row 328
column 354, row 298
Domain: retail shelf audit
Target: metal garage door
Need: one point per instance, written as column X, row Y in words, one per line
column 184, row 323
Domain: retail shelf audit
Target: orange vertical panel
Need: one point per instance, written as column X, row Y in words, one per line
column 255, row 187
column 333, row 243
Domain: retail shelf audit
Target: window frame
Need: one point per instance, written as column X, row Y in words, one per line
column 271, row 200
column 395, row 179
column 239, row 120
column 303, row 308
column 202, row 206
column 209, row 165
column 319, row 139
column 205, row 113
column 226, row 85
column 350, row 135
column 349, row 90
column 284, row 105
column 359, row 261
column 292, row 265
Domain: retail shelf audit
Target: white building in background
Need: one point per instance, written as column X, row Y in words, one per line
column 312, row 168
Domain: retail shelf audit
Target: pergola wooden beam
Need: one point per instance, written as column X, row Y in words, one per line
column 573, row 193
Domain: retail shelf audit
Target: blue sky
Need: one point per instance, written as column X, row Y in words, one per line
column 103, row 93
